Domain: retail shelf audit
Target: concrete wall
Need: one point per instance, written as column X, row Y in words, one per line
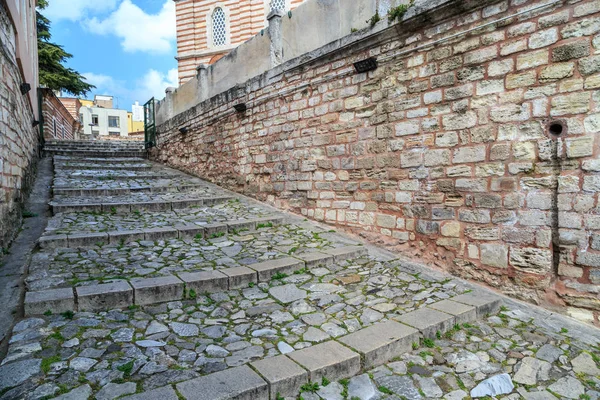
column 444, row 153
column 18, row 138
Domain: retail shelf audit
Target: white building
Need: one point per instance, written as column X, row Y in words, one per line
column 100, row 119
column 138, row 112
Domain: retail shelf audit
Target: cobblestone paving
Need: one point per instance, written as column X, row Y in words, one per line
column 123, row 352
column 65, row 267
column 106, row 222
column 118, row 353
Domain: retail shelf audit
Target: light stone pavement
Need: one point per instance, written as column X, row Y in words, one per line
column 344, row 325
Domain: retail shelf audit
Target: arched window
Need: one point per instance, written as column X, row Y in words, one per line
column 278, row 5
column 219, row 27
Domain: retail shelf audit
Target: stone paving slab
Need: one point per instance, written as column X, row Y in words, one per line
column 58, row 300
column 205, row 281
column 462, row 312
column 102, row 297
column 238, row 383
column 428, row 321
column 157, row 290
column 381, row 342
column 164, row 393
column 285, row 377
column 484, row 303
column 330, row 360
column 267, row 269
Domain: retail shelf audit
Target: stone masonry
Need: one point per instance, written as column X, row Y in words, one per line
column 479, row 154
column 152, row 284
column 18, row 138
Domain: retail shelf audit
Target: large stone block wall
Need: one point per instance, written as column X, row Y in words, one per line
column 18, row 138
column 443, row 153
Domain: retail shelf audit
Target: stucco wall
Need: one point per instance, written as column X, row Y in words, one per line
column 18, row 139
column 443, row 153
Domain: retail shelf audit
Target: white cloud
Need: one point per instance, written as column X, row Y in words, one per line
column 152, row 84
column 74, row 10
column 137, row 30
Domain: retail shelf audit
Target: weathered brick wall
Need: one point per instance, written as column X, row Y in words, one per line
column 18, row 139
column 59, row 123
column 442, row 153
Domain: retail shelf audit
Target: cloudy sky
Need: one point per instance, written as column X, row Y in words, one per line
column 126, row 48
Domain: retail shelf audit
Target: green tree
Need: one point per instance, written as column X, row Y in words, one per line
column 53, row 74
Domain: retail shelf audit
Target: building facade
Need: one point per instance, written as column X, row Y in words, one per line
column 60, row 116
column 100, row 119
column 209, row 29
column 19, row 135
column 135, row 118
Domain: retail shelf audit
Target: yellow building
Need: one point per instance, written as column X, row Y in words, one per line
column 86, row 103
column 134, row 126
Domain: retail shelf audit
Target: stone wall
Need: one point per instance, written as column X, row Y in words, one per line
column 479, row 153
column 18, row 138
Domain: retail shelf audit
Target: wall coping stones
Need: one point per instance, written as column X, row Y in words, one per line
column 157, row 290
column 462, row 312
column 381, row 342
column 330, row 359
column 55, row 300
column 205, row 281
column 267, row 269
column 106, row 296
column 284, row 376
column 428, row 321
column 240, row 383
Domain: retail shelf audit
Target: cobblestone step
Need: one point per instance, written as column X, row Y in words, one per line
column 133, row 167
column 64, row 206
column 82, row 154
column 117, row 175
column 99, row 160
column 86, row 239
column 283, row 375
column 59, row 191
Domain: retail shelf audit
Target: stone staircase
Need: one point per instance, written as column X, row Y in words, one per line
column 203, row 294
column 95, row 148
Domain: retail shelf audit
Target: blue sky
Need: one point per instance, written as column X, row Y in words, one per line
column 124, row 47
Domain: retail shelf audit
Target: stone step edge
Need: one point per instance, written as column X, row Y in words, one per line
column 75, row 192
column 117, row 177
column 149, row 206
column 147, row 291
column 207, row 231
column 101, row 167
column 103, row 153
column 336, row 359
column 100, row 160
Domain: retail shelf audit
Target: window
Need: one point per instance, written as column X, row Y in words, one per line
column 55, row 133
column 113, row 122
column 81, row 118
column 95, row 119
column 63, row 132
column 278, row 5
column 219, row 27
column 114, row 133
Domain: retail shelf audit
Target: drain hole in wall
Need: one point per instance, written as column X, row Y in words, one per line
column 556, row 128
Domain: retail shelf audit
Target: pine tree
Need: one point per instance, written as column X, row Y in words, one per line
column 53, row 74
